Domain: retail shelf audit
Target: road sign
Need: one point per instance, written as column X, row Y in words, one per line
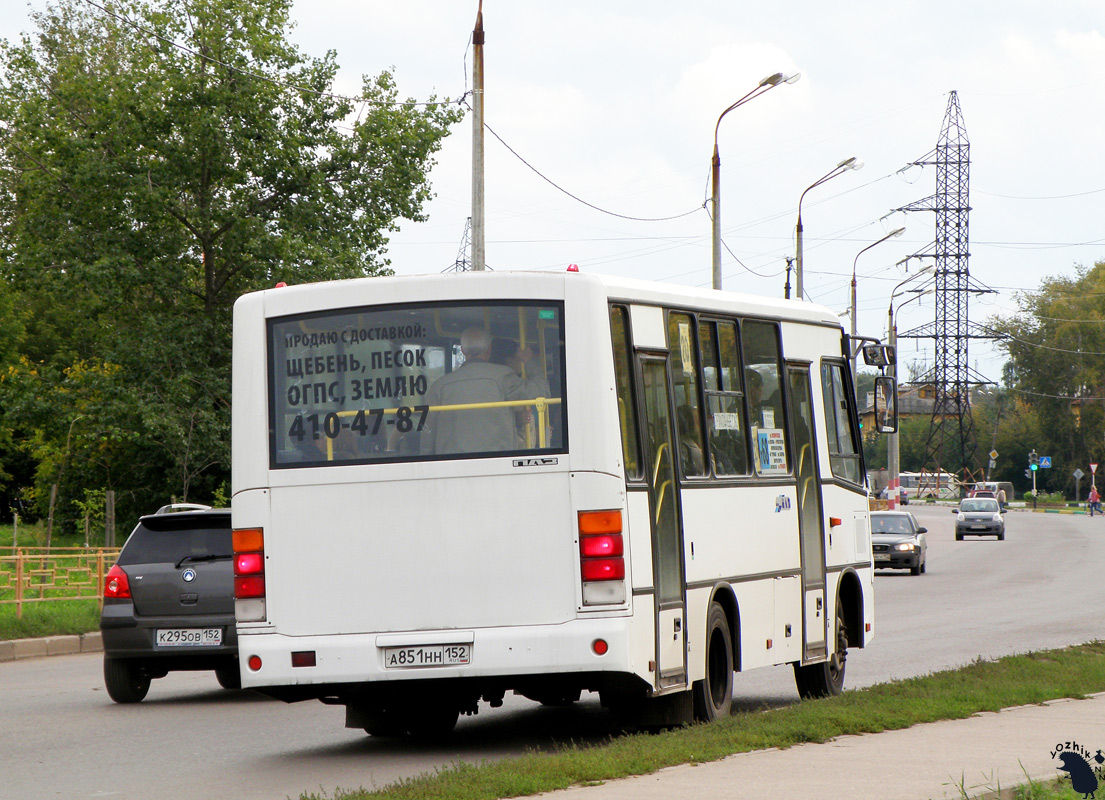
column 1078, row 474
column 1093, row 468
column 1045, row 462
column 993, row 454
column 993, row 463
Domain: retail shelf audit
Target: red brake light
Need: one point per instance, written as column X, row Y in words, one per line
column 249, row 586
column 249, row 564
column 603, row 569
column 601, row 545
column 116, row 583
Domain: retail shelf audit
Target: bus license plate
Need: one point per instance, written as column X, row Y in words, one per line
column 189, row 637
column 441, row 655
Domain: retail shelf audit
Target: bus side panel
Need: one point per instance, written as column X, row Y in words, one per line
column 750, row 529
column 249, row 419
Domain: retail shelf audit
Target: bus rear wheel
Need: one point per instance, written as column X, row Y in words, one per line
column 430, row 722
column 713, row 695
column 827, row 678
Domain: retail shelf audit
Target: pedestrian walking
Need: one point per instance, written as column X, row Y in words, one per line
column 1094, row 500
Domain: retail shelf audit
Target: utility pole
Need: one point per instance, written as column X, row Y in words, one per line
column 1033, row 466
column 478, row 236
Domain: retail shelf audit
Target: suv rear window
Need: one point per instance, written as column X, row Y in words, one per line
column 170, row 537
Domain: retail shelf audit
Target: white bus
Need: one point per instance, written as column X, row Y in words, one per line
column 929, row 485
column 656, row 487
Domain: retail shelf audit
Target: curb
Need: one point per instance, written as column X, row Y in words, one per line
column 16, row 649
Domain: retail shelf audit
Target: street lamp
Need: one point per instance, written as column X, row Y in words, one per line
column 893, row 454
column 852, row 348
column 839, row 169
column 763, row 86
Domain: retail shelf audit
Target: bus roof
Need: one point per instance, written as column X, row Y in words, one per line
column 397, row 288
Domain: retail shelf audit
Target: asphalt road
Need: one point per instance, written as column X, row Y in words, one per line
column 64, row 738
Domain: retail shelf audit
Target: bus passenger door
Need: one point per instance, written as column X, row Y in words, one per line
column 665, row 517
column 810, row 524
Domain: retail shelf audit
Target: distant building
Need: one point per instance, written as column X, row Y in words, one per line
column 914, row 400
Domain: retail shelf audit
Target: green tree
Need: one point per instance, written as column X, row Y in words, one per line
column 157, row 160
column 1056, row 346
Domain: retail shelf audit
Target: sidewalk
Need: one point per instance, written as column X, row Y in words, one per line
column 13, row 649
column 972, row 757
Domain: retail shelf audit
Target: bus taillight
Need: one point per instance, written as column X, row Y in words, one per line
column 601, row 557
column 249, row 574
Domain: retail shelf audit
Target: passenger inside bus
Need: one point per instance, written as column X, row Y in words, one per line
column 510, row 354
column 690, row 441
column 475, row 382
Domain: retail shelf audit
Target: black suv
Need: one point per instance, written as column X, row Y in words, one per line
column 169, row 602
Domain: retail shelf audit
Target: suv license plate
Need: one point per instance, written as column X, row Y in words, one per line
column 442, row 655
column 978, row 527
column 189, row 637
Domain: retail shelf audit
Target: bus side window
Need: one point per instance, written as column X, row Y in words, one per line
column 721, row 381
column 767, row 427
column 842, row 438
column 684, row 373
column 623, row 378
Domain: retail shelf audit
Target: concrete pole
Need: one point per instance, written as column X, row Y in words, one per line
column 893, row 459
column 798, row 290
column 478, row 235
column 715, row 212
column 852, row 344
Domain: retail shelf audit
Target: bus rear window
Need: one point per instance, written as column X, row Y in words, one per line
column 401, row 383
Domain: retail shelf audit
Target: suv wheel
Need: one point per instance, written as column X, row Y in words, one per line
column 229, row 676
column 126, row 680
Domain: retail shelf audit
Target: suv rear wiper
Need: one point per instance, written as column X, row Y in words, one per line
column 194, row 559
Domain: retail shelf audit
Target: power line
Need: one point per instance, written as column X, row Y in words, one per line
column 561, row 189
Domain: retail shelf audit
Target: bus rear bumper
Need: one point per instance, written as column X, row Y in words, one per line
column 272, row 659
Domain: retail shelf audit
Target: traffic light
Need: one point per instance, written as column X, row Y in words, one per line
column 1033, row 461
column 1028, row 473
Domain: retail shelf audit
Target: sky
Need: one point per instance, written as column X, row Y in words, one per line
column 610, row 110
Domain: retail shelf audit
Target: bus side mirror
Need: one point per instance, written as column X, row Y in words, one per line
column 879, row 355
column 886, row 404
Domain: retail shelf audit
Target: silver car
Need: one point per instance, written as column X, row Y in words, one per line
column 979, row 516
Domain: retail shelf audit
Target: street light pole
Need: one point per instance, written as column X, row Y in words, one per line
column 839, row 169
column 852, row 344
column 763, row 86
column 893, row 454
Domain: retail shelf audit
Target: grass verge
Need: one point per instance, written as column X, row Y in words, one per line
column 981, row 686
column 52, row 618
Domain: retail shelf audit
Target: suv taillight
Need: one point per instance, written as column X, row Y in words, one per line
column 601, row 557
column 249, row 574
column 116, row 583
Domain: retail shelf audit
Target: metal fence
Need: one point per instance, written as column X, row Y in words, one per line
column 40, row 574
